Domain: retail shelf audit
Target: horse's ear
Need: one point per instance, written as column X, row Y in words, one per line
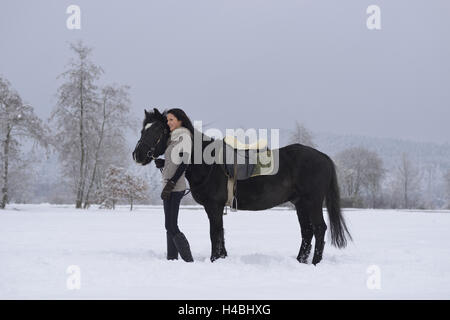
column 156, row 111
column 146, row 113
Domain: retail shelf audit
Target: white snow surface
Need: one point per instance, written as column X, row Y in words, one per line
column 122, row 255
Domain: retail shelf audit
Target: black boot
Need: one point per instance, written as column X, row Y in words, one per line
column 172, row 252
column 182, row 246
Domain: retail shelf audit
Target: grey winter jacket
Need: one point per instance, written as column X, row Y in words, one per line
column 178, row 150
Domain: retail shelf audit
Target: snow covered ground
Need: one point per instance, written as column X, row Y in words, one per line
column 121, row 255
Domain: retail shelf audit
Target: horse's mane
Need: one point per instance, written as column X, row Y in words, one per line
column 155, row 115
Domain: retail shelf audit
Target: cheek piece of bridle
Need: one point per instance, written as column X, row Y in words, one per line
column 151, row 151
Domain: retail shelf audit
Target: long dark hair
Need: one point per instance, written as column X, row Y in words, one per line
column 181, row 116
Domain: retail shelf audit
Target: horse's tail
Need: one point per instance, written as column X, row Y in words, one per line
column 337, row 222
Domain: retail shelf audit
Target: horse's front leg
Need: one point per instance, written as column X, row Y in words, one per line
column 216, row 232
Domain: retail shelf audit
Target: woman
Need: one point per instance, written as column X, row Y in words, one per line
column 177, row 158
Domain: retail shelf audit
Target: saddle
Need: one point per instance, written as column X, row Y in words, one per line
column 234, row 143
column 242, row 161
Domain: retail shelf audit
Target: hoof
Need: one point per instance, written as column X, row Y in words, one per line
column 221, row 256
column 303, row 260
column 318, row 253
column 223, row 253
column 305, row 250
column 316, row 260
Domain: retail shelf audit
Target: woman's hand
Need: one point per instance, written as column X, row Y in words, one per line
column 159, row 163
column 165, row 194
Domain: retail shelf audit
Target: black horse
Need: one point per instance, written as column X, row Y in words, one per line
column 306, row 177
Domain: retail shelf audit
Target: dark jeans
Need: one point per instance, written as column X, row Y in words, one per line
column 171, row 208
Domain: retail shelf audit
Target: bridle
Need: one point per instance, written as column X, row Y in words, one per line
column 151, row 151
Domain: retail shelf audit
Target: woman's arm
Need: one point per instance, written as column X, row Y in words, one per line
column 172, row 181
column 180, row 170
column 181, row 167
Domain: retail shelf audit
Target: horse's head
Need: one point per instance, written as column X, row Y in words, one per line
column 154, row 135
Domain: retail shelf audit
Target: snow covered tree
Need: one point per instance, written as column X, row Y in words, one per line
column 110, row 138
column 22, row 175
column 359, row 174
column 134, row 189
column 121, row 185
column 91, row 124
column 153, row 177
column 75, row 116
column 433, row 186
column 408, row 182
column 112, row 189
column 447, row 184
column 18, row 122
column 302, row 135
column 373, row 174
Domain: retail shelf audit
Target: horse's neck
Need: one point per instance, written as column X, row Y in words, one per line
column 198, row 172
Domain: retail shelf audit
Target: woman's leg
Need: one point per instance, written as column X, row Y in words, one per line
column 175, row 200
column 179, row 238
column 169, row 218
column 172, row 252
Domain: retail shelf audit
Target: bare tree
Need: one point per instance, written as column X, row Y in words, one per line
column 111, row 191
column 447, row 185
column 18, row 121
column 112, row 122
column 91, row 125
column 22, row 175
column 360, row 172
column 432, row 184
column 75, row 115
column 153, row 177
column 121, row 185
column 408, row 180
column 302, row 135
column 134, row 189
column 373, row 174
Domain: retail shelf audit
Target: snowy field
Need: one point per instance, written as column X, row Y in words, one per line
column 121, row 255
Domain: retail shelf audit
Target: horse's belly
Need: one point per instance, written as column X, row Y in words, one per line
column 262, row 194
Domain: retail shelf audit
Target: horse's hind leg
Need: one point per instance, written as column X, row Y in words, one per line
column 311, row 220
column 307, row 234
column 319, row 227
column 319, row 235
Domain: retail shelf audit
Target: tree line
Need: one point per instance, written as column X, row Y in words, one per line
column 365, row 182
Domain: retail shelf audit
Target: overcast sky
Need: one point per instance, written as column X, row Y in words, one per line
column 255, row 63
